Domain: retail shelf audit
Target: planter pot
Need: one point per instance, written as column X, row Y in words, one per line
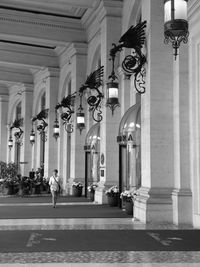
column 112, row 201
column 128, row 207
column 37, row 189
column 77, row 191
column 91, row 195
column 9, row 189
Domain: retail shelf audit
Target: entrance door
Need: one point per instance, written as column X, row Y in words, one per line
column 17, row 156
column 88, row 175
column 122, row 169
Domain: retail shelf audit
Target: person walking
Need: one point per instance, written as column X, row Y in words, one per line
column 54, row 186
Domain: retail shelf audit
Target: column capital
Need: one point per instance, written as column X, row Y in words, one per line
column 74, row 49
column 4, row 98
column 28, row 87
column 43, row 74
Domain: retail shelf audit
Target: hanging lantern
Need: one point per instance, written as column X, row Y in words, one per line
column 10, row 143
column 175, row 23
column 80, row 121
column 32, row 137
column 56, row 130
column 112, row 96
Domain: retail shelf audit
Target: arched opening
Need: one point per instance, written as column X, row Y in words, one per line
column 69, row 91
column 92, row 156
column 129, row 139
column 42, row 136
column 18, row 115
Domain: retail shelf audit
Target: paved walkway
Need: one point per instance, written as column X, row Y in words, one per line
column 48, row 241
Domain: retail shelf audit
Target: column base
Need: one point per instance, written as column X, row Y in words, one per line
column 182, row 206
column 196, row 221
column 154, row 205
column 100, row 196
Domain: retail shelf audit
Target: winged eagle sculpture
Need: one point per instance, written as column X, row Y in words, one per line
column 93, row 82
column 41, row 116
column 18, row 123
column 133, row 38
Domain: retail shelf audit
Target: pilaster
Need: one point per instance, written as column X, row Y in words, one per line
column 26, row 151
column 77, row 140
column 154, row 202
column 182, row 195
column 3, row 128
column 51, row 155
column 110, row 33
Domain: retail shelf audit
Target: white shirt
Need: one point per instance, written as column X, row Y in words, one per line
column 54, row 182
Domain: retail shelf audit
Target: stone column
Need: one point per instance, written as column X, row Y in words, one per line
column 154, row 202
column 78, row 76
column 26, row 148
column 51, row 146
column 182, row 196
column 109, row 152
column 3, row 127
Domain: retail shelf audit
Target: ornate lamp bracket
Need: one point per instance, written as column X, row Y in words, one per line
column 135, row 64
column 18, row 123
column 68, row 104
column 93, row 82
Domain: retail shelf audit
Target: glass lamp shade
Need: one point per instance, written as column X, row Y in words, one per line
column 10, row 143
column 112, row 93
column 56, row 130
column 80, row 121
column 32, row 137
column 175, row 17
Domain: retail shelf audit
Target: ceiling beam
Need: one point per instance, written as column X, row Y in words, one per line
column 50, row 3
column 39, row 29
column 24, row 57
column 15, row 77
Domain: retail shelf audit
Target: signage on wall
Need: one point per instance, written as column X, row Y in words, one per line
column 102, row 159
column 130, row 137
column 90, row 147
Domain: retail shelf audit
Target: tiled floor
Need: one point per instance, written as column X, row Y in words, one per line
column 94, row 258
column 81, row 224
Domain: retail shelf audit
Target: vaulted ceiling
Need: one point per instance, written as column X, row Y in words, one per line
column 31, row 32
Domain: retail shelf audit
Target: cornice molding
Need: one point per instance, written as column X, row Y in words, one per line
column 37, row 19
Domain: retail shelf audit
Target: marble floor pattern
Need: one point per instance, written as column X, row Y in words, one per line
column 94, row 258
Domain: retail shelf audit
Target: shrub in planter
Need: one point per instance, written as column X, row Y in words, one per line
column 128, row 198
column 112, row 195
column 8, row 173
column 77, row 189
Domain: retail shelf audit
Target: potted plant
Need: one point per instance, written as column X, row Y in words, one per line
column 9, row 175
column 91, row 189
column 128, row 198
column 77, row 188
column 112, row 195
